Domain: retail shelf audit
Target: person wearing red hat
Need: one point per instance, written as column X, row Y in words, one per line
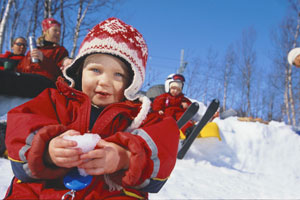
column 50, row 55
column 101, row 97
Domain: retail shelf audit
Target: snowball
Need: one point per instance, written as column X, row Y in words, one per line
column 86, row 142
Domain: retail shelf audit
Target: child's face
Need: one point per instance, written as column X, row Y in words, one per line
column 104, row 79
column 174, row 91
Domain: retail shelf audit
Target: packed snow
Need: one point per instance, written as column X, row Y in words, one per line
column 253, row 161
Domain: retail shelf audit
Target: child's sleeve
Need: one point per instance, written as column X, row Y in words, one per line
column 29, row 129
column 153, row 154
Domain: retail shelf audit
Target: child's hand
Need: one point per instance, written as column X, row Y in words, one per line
column 160, row 112
column 184, row 105
column 62, row 152
column 107, row 158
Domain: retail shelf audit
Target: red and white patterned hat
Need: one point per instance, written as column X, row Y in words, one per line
column 114, row 37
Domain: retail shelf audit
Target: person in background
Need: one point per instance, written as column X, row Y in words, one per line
column 10, row 59
column 52, row 57
column 294, row 57
column 173, row 103
column 132, row 157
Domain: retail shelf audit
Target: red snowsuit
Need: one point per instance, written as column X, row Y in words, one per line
column 11, row 56
column 171, row 106
column 32, row 125
column 51, row 64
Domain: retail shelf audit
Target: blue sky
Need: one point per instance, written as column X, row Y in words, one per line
column 196, row 25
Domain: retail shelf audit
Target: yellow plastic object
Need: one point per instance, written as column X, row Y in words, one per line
column 211, row 129
column 5, row 153
column 181, row 136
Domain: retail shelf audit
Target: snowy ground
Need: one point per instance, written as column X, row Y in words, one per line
column 253, row 161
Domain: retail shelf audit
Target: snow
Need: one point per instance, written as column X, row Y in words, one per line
column 253, row 161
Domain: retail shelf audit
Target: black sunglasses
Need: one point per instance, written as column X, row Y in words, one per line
column 21, row 44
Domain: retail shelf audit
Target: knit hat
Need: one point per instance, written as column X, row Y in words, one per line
column 174, row 78
column 114, row 37
column 292, row 55
column 48, row 23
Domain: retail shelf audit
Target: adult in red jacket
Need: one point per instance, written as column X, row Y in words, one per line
column 10, row 59
column 36, row 126
column 52, row 57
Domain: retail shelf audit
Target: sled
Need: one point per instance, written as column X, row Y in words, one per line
column 251, row 119
column 23, row 84
column 155, row 91
column 211, row 129
column 209, row 113
column 18, row 88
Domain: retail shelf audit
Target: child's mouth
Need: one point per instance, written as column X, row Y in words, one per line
column 103, row 94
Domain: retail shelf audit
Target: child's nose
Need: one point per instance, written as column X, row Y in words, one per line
column 104, row 79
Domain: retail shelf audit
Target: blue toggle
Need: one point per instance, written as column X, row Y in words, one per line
column 74, row 181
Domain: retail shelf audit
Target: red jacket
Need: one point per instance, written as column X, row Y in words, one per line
column 11, row 56
column 51, row 64
column 32, row 125
column 171, row 105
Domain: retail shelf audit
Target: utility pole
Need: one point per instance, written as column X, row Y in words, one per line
column 182, row 63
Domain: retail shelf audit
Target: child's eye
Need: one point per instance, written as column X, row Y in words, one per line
column 95, row 70
column 119, row 74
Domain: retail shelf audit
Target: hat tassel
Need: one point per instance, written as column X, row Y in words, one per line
column 146, row 105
